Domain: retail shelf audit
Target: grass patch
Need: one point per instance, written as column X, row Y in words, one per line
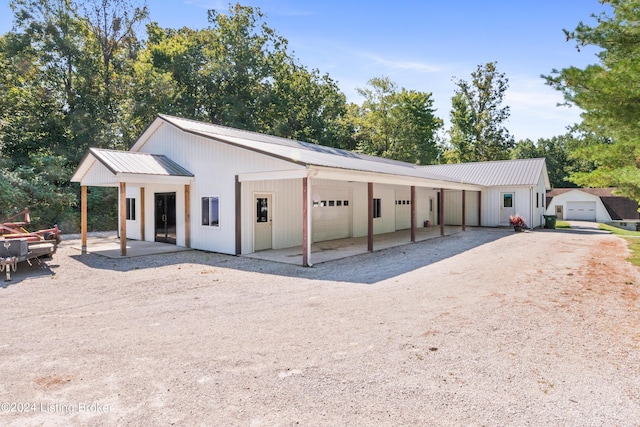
column 630, row 237
column 618, row 231
column 562, row 224
column 634, row 247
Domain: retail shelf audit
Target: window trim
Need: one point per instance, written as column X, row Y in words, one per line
column 377, row 207
column 209, row 211
column 130, row 207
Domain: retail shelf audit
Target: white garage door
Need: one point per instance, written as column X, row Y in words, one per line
column 403, row 209
column 584, row 211
column 331, row 213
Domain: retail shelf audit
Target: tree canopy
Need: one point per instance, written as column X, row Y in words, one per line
column 477, row 117
column 399, row 125
column 608, row 94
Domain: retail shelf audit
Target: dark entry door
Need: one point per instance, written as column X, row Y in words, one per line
column 165, row 217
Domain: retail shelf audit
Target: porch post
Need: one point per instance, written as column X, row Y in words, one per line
column 442, row 211
column 413, row 213
column 479, row 208
column 370, row 217
column 142, row 224
column 464, row 211
column 305, row 222
column 238, row 216
column 187, row 216
column 123, row 219
column 83, row 217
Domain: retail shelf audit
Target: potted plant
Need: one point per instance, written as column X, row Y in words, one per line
column 517, row 222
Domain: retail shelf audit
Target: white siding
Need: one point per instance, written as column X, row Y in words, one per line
column 453, row 207
column 133, row 227
column 99, row 175
column 538, row 203
column 331, row 213
column 491, row 204
column 286, row 212
column 578, row 196
column 215, row 166
column 403, row 209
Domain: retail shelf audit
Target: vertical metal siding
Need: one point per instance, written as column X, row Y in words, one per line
column 133, row 227
column 214, row 166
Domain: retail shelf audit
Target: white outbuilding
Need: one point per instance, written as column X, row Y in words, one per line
column 578, row 205
column 225, row 190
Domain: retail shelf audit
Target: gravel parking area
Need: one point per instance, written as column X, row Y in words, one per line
column 487, row 327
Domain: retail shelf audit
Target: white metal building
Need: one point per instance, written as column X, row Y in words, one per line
column 578, row 205
column 220, row 189
column 509, row 187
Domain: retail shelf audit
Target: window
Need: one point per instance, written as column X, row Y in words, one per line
column 211, row 211
column 507, row 200
column 262, row 209
column 537, row 200
column 131, row 209
column 345, row 203
column 332, row 202
column 377, row 208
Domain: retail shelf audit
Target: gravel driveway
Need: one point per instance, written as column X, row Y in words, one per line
column 488, row 327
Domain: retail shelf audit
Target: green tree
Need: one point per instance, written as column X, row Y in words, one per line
column 238, row 73
column 399, row 125
column 608, row 94
column 556, row 152
column 477, row 130
column 62, row 83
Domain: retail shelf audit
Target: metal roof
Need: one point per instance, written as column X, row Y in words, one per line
column 125, row 162
column 495, row 173
column 303, row 152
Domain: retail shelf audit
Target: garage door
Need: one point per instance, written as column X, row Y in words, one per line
column 403, row 209
column 583, row 211
column 331, row 213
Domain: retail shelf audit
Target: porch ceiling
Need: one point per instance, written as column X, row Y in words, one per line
column 337, row 174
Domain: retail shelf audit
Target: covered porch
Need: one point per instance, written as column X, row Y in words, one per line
column 373, row 219
column 123, row 170
column 332, row 250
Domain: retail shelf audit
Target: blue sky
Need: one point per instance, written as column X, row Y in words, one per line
column 422, row 45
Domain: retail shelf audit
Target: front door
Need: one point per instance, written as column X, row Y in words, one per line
column 559, row 212
column 263, row 225
column 507, row 207
column 165, row 217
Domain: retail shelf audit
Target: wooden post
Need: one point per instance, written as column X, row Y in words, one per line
column 187, row 216
column 441, row 212
column 123, row 219
column 464, row 199
column 305, row 222
column 370, row 217
column 413, row 213
column 142, row 212
column 83, row 217
column 238, row 216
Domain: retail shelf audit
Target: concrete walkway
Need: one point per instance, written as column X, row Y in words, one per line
column 341, row 248
column 110, row 247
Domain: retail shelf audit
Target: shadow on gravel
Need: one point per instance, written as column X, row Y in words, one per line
column 365, row 269
column 45, row 267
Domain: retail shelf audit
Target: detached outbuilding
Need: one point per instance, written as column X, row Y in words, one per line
column 225, row 190
column 591, row 204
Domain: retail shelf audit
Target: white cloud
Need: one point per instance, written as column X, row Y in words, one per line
column 400, row 65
